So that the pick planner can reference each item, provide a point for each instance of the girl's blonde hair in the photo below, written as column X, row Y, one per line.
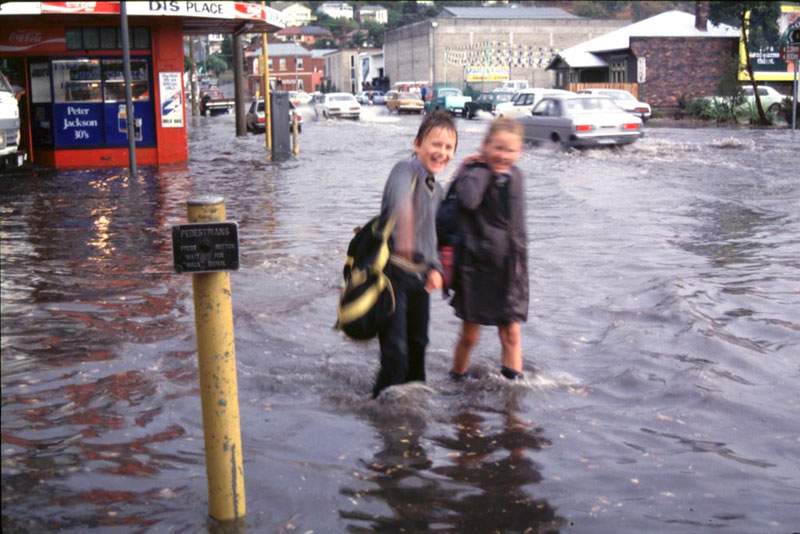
column 503, row 124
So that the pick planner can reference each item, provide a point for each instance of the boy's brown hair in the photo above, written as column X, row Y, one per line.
column 503, row 124
column 436, row 119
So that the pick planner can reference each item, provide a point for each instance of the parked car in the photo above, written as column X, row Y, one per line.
column 340, row 105
column 362, row 97
column 10, row 154
column 404, row 102
column 299, row 97
column 522, row 103
column 512, row 86
column 378, row 97
column 212, row 101
column 255, row 117
column 623, row 99
column 580, row 120
column 486, row 102
column 446, row 99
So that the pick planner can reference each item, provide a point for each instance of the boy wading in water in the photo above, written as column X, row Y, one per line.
column 413, row 195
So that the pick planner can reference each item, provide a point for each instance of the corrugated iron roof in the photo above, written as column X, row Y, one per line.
column 667, row 24
column 506, row 13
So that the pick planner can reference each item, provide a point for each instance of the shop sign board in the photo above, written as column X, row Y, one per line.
column 485, row 73
column 205, row 247
column 171, row 99
column 78, row 124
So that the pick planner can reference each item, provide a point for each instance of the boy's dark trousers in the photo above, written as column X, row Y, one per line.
column 405, row 336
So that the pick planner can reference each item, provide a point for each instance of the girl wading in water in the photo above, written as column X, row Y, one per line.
column 492, row 269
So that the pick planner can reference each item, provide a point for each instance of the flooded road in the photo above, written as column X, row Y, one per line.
column 661, row 353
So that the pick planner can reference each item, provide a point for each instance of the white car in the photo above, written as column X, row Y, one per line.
column 299, row 97
column 340, row 105
column 256, row 122
column 522, row 103
column 623, row 99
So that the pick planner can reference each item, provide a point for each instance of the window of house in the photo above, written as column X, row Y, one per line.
column 269, row 63
column 299, row 63
column 618, row 70
column 300, row 85
column 282, row 64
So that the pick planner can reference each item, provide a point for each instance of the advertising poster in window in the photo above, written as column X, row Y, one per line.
column 767, row 62
column 484, row 73
column 171, row 99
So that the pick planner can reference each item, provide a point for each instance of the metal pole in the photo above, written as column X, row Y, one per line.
column 130, row 118
column 434, row 24
column 295, row 136
column 794, row 97
column 216, row 356
column 267, row 92
column 193, row 76
column 238, row 85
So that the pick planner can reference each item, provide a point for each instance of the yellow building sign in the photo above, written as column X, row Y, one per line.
column 484, row 73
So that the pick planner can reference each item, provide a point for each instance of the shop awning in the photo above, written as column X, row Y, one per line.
column 197, row 17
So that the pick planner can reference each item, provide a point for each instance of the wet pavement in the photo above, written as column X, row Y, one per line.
column 660, row 354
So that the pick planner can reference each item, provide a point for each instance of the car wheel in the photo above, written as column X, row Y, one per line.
column 325, row 114
column 554, row 137
column 773, row 109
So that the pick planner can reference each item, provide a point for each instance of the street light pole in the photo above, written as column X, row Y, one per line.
column 434, row 25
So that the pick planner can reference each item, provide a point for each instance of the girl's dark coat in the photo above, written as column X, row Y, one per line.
column 492, row 274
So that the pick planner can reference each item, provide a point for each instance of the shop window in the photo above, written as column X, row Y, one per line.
column 108, row 38
column 77, row 80
column 74, row 38
column 40, row 83
column 91, row 38
column 140, row 37
column 113, row 79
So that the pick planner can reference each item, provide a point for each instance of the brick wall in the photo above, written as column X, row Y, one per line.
column 677, row 65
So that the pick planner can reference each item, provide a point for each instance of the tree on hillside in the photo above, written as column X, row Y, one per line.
column 758, row 29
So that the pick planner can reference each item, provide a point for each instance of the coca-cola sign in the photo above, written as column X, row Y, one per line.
column 25, row 37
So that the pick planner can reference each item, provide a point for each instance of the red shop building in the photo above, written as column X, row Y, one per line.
column 67, row 56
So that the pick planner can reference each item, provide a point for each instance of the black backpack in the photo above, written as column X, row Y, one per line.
column 367, row 298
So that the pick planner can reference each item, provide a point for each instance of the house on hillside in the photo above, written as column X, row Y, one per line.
column 486, row 46
column 304, row 35
column 377, row 14
column 336, row 10
column 294, row 13
column 657, row 59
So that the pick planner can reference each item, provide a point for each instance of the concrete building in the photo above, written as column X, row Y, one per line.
column 336, row 10
column 486, row 46
column 658, row 59
column 343, row 69
column 377, row 14
column 295, row 14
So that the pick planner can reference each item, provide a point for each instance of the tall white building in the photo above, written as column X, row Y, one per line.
column 370, row 12
column 295, row 14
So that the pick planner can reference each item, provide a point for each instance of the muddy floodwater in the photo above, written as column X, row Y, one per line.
column 662, row 351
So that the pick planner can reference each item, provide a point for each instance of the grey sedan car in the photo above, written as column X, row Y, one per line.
column 580, row 120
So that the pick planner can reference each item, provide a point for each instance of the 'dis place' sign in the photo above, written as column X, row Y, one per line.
column 205, row 247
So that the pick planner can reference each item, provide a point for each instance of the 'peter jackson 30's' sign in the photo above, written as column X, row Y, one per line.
column 78, row 124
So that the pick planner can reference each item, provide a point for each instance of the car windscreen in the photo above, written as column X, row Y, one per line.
column 408, row 95
column 341, row 98
column 504, row 97
column 618, row 95
column 583, row 105
column 449, row 93
column 485, row 97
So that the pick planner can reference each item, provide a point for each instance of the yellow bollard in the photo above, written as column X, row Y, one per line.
column 295, row 136
column 217, row 365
